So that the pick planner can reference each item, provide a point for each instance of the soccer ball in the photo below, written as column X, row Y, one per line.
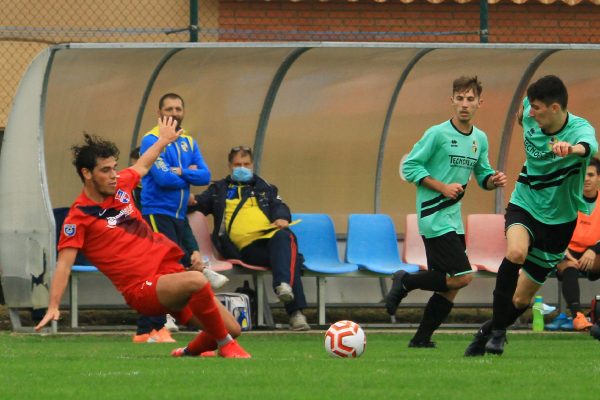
column 345, row 339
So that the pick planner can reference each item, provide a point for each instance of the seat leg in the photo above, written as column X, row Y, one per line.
column 321, row 289
column 268, row 315
column 383, row 287
column 559, row 294
column 73, row 299
column 15, row 319
column 261, row 303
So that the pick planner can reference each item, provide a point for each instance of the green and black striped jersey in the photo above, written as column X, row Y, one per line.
column 550, row 187
column 449, row 156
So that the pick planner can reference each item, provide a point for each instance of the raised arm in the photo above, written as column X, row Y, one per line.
column 66, row 258
column 167, row 134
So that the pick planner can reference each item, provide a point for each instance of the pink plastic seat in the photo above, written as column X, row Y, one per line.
column 199, row 226
column 413, row 249
column 486, row 242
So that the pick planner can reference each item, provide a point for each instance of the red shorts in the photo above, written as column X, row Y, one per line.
column 144, row 299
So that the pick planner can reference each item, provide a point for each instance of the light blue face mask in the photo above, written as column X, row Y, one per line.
column 241, row 174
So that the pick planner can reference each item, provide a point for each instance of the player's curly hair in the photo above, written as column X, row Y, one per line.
column 86, row 155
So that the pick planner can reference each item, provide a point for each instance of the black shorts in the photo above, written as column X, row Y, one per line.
column 447, row 253
column 591, row 276
column 548, row 242
column 172, row 228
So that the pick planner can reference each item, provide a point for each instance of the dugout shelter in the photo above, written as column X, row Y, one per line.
column 329, row 124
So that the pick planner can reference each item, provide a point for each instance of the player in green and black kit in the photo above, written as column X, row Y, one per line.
column 440, row 164
column 542, row 212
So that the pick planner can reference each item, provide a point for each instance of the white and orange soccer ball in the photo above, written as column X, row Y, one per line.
column 345, row 339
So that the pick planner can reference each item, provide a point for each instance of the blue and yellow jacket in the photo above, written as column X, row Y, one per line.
column 164, row 191
column 213, row 201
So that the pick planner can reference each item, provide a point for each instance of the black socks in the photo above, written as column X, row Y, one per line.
column 434, row 281
column 506, row 283
column 570, row 289
column 435, row 313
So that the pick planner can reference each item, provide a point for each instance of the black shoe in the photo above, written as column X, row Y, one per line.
column 496, row 343
column 397, row 292
column 477, row 346
column 595, row 331
column 421, row 344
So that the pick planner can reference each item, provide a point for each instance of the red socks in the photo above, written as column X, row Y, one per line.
column 202, row 304
column 201, row 343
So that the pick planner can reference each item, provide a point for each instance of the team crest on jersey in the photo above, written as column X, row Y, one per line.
column 160, row 164
column 122, row 196
column 553, row 140
column 185, row 147
column 69, row 229
column 531, row 131
column 474, row 146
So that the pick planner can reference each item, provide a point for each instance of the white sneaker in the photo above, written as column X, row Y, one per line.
column 171, row 324
column 298, row 321
column 284, row 292
column 215, row 279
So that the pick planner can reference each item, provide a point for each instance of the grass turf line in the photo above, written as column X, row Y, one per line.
column 297, row 367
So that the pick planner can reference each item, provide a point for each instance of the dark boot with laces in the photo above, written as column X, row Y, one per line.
column 477, row 346
column 496, row 343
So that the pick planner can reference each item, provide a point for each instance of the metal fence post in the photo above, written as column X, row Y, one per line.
column 483, row 21
column 193, row 20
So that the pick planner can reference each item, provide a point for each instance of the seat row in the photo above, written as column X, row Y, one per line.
column 484, row 239
column 371, row 251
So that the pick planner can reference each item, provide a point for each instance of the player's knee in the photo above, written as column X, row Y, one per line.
column 196, row 281
column 516, row 256
column 521, row 301
column 458, row 282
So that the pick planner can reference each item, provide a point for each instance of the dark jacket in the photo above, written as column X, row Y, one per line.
column 212, row 201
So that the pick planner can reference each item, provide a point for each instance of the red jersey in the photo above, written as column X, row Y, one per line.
column 115, row 238
column 587, row 231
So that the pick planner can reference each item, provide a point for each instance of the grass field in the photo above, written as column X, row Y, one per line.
column 295, row 366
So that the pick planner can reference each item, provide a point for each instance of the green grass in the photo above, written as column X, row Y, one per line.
column 295, row 366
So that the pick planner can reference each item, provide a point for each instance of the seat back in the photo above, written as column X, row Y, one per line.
column 60, row 214
column 413, row 249
column 372, row 240
column 199, row 225
column 485, row 240
column 316, row 238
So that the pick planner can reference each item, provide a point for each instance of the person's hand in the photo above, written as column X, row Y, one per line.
column 167, row 129
column 452, row 190
column 586, row 261
column 52, row 314
column 193, row 166
column 196, row 263
column 498, row 179
column 280, row 223
column 176, row 171
column 569, row 256
column 192, row 200
column 562, row 149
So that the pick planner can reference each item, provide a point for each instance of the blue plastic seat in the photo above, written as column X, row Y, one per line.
column 373, row 245
column 82, row 265
column 318, row 244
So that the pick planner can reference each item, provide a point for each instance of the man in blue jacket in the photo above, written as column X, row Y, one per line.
column 251, row 223
column 165, row 194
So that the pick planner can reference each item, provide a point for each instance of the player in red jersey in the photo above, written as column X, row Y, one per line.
column 143, row 265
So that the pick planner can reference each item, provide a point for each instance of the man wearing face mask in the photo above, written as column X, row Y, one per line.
column 251, row 223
